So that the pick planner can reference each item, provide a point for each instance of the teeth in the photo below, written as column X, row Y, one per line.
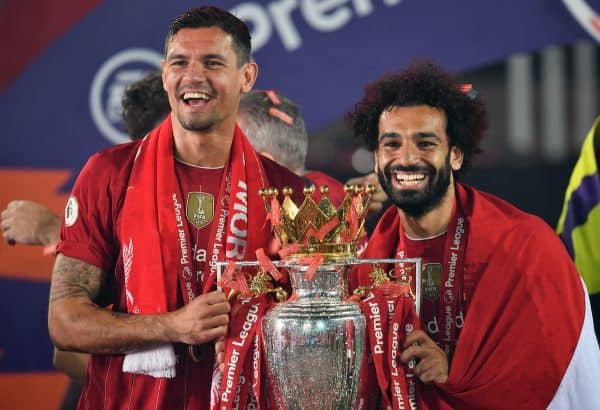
column 409, row 179
column 196, row 96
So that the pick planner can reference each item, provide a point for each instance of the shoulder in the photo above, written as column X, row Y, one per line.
column 103, row 178
column 112, row 161
column 508, row 243
column 504, row 225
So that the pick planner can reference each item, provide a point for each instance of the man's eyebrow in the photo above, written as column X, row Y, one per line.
column 389, row 134
column 214, row 55
column 175, row 56
column 421, row 135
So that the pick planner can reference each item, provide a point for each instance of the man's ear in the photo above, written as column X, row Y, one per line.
column 456, row 158
column 249, row 72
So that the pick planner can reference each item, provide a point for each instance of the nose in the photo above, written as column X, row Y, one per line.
column 407, row 154
column 195, row 71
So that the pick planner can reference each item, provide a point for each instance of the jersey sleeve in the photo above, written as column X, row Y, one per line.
column 87, row 230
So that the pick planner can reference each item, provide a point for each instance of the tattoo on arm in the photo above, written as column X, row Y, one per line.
column 76, row 279
column 76, row 323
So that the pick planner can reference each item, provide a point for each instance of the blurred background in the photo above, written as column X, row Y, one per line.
column 66, row 63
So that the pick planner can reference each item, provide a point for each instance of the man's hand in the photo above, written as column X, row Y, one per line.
column 204, row 319
column 29, row 223
column 433, row 363
column 379, row 196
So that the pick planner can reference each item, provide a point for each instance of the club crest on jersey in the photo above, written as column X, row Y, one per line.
column 200, row 208
column 431, row 281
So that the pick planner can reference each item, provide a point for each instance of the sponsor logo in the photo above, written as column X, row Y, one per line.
column 110, row 82
column 71, row 211
column 200, row 209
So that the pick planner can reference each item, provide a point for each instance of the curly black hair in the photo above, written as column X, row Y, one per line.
column 423, row 83
column 145, row 104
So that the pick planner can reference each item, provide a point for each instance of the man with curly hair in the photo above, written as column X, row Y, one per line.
column 505, row 321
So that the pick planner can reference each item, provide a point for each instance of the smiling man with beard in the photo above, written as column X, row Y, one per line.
column 505, row 319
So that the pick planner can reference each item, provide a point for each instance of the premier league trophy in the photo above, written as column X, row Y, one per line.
column 315, row 342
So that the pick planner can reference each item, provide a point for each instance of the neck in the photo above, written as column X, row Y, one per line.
column 433, row 222
column 208, row 148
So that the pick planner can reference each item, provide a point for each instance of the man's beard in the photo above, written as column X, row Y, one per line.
column 416, row 203
column 195, row 124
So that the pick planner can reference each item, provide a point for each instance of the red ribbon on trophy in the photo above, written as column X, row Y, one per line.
column 240, row 348
column 389, row 320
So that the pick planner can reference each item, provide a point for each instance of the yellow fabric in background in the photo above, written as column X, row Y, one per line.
column 579, row 222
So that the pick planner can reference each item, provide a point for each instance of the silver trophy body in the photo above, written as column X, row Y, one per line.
column 314, row 343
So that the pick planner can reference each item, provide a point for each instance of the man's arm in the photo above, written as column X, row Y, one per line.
column 76, row 323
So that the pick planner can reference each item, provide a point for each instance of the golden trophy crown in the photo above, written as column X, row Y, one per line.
column 318, row 228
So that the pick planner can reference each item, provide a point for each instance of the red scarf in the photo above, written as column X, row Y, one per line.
column 525, row 308
column 156, row 237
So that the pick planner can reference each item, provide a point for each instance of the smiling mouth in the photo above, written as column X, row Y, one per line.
column 195, row 98
column 409, row 178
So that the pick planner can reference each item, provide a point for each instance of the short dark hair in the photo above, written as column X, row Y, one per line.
column 209, row 16
column 423, row 83
column 145, row 103
column 281, row 133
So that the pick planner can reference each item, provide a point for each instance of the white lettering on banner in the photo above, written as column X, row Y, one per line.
column 255, row 361
column 180, row 231
column 432, row 326
column 375, row 315
column 235, row 355
column 190, row 291
column 397, row 389
column 251, row 318
column 200, row 254
column 214, row 258
column 412, row 394
column 238, row 224
column 412, row 385
column 241, row 382
column 460, row 320
column 455, row 247
column 448, row 323
column 320, row 15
